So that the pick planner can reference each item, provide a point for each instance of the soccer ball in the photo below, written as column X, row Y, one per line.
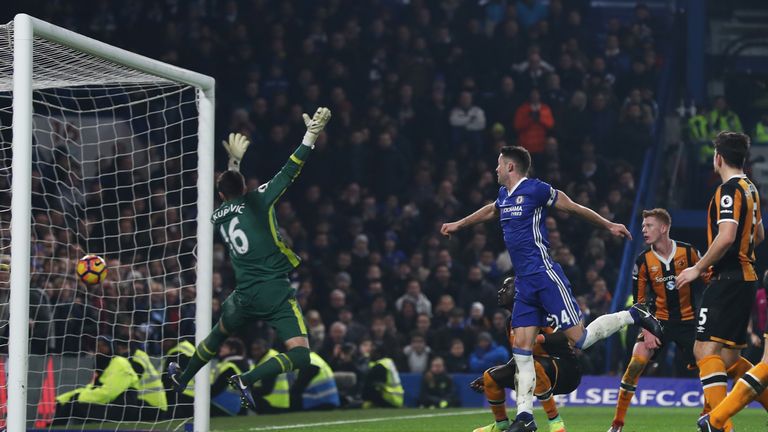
column 91, row 269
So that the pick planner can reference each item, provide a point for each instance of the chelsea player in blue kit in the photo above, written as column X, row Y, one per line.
column 542, row 288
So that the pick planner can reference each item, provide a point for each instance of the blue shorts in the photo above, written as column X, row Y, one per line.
column 545, row 296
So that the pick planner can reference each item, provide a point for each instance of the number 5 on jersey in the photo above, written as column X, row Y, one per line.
column 236, row 240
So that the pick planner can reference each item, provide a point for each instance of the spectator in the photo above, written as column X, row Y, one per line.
column 723, row 118
column 108, row 397
column 437, row 389
column 316, row 330
column 355, row 330
column 759, row 316
column 617, row 62
column 381, row 386
column 555, row 97
column 406, row 318
column 392, row 256
column 417, row 353
column 602, row 121
column 337, row 336
column 477, row 320
column 468, row 123
column 456, row 359
column 576, row 121
column 487, row 354
column 533, row 120
column 505, row 100
column 499, row 330
column 530, row 12
column 477, row 291
column 414, row 295
column 337, row 302
column 760, row 135
column 634, row 134
column 531, row 72
column 599, row 301
column 232, row 360
column 383, row 340
column 387, row 167
column 454, row 329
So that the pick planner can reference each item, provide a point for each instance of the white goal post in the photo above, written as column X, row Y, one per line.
column 26, row 77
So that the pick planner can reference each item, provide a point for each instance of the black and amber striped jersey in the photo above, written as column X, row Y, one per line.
column 736, row 201
column 654, row 282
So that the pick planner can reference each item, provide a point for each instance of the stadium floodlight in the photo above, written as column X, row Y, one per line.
column 111, row 154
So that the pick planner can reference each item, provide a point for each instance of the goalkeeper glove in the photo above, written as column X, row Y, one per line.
column 236, row 147
column 315, row 125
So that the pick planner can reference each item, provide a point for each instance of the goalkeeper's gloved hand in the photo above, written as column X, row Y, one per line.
column 236, row 147
column 315, row 125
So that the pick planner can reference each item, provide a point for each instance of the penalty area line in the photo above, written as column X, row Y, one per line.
column 370, row 420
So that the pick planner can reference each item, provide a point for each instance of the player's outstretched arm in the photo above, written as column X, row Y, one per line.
column 276, row 187
column 484, row 214
column 566, row 204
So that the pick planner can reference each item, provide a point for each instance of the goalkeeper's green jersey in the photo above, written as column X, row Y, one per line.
column 249, row 228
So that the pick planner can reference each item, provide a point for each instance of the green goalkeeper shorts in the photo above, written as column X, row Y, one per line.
column 272, row 301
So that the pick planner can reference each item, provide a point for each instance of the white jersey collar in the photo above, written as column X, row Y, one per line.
column 510, row 191
column 668, row 260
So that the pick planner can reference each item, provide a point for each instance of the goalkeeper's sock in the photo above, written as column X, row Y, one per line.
column 295, row 359
column 746, row 389
column 204, row 353
column 604, row 326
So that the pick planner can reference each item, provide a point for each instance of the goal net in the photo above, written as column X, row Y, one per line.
column 115, row 167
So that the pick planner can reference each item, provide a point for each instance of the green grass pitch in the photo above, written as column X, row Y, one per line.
column 577, row 419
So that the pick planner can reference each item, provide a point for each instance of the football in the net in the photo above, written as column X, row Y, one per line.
column 91, row 269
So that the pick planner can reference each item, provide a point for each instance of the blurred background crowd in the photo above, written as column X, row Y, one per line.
column 423, row 94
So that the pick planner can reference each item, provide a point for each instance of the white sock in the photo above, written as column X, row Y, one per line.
column 604, row 326
column 526, row 380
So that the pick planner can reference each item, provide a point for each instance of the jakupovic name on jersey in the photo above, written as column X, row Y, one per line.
column 232, row 208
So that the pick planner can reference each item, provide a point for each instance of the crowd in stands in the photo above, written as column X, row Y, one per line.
column 423, row 95
column 702, row 123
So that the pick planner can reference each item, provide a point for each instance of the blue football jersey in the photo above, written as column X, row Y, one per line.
column 522, row 213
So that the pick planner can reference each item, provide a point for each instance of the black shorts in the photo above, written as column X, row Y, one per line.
column 725, row 311
column 683, row 334
column 564, row 374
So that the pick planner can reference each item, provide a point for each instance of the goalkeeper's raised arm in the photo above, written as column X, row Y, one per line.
column 273, row 189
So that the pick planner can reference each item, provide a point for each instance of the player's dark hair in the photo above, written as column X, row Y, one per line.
column 660, row 214
column 733, row 147
column 519, row 156
column 231, row 184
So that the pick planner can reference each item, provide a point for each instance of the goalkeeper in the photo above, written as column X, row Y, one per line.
column 261, row 262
